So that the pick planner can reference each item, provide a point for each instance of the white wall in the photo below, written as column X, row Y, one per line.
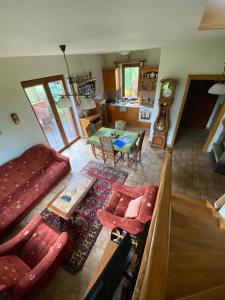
column 178, row 61
column 152, row 57
column 14, row 139
column 216, row 135
column 219, row 101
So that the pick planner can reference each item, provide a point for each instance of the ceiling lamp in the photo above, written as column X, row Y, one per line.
column 218, row 88
column 124, row 53
column 87, row 103
column 71, row 80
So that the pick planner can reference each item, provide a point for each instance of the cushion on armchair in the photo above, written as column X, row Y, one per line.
column 133, row 208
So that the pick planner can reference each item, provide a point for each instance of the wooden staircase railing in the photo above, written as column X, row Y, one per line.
column 152, row 278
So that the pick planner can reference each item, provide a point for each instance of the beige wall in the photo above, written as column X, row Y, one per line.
column 14, row 139
column 179, row 60
column 152, row 57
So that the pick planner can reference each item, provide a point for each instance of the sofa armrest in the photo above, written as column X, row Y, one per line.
column 110, row 220
column 132, row 192
column 21, row 237
column 25, row 284
column 220, row 202
column 58, row 156
column 147, row 204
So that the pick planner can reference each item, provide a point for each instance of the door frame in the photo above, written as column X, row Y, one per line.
column 219, row 116
column 44, row 81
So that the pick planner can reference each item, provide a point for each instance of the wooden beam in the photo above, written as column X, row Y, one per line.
column 152, row 277
column 213, row 16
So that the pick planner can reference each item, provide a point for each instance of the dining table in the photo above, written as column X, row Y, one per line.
column 130, row 137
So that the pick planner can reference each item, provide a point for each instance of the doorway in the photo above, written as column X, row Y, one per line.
column 199, row 110
column 54, row 113
column 199, row 105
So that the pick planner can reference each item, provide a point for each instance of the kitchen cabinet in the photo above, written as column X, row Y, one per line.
column 129, row 115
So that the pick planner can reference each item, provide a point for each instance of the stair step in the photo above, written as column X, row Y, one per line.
column 215, row 238
column 190, row 273
column 190, row 208
column 183, row 220
column 215, row 293
column 186, row 198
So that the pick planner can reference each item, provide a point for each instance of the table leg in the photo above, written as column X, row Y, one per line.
column 127, row 159
column 93, row 150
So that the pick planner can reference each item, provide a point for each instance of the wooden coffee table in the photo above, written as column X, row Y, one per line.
column 77, row 189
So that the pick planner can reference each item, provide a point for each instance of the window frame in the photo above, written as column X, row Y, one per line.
column 125, row 65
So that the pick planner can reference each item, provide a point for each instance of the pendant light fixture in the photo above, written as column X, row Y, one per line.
column 89, row 101
column 218, row 88
column 66, row 96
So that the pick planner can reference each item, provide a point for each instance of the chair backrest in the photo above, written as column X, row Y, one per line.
column 106, row 144
column 140, row 141
column 38, row 245
column 90, row 129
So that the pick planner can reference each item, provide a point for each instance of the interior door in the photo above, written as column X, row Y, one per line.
column 54, row 113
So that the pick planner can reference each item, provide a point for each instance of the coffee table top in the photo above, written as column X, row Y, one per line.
column 67, row 200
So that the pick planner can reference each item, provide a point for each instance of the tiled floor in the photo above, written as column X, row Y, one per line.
column 192, row 174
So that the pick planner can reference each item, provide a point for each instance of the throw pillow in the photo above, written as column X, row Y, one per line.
column 133, row 208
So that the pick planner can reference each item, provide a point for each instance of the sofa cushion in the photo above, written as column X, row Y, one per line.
column 12, row 269
column 133, row 208
column 15, row 173
column 18, row 203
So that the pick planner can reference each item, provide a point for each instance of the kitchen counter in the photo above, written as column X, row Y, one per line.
column 128, row 112
column 136, row 105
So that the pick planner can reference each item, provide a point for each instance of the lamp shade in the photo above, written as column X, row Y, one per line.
column 87, row 103
column 217, row 89
column 64, row 101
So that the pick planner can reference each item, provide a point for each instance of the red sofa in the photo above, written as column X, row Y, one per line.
column 25, row 180
column 113, row 214
column 29, row 259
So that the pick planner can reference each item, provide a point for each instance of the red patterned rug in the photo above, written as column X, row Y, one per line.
column 83, row 226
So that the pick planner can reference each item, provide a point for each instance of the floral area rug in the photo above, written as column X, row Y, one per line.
column 83, row 226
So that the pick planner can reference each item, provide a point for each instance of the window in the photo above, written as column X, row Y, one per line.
column 130, row 80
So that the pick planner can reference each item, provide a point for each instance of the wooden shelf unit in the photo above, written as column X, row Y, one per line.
column 146, row 82
column 85, row 87
column 95, row 119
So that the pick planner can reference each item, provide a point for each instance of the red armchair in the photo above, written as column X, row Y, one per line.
column 30, row 258
column 113, row 214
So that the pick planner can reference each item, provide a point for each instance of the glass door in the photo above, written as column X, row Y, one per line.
column 54, row 113
column 64, row 109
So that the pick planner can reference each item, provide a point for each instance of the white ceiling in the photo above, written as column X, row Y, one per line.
column 37, row 27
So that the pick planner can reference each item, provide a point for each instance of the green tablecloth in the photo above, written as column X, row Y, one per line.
column 133, row 136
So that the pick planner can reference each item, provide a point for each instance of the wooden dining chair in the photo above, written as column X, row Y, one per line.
column 108, row 150
column 138, row 147
column 90, row 129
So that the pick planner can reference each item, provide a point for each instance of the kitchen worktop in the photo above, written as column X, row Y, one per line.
column 128, row 104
